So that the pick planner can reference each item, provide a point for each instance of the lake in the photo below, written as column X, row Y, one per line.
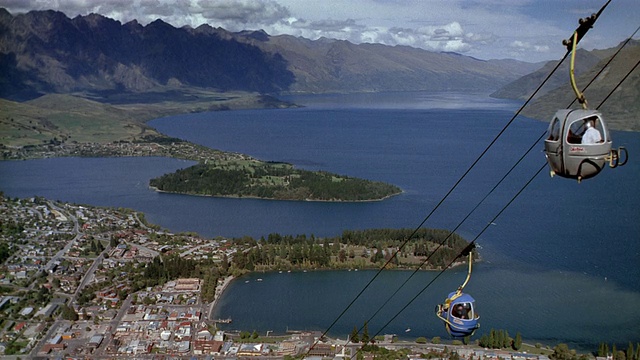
column 559, row 249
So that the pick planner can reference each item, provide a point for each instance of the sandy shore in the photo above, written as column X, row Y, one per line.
column 219, row 291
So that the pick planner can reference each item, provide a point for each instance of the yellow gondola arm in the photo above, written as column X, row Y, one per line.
column 468, row 275
column 458, row 293
column 579, row 94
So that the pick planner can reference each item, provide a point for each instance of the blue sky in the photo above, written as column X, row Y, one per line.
column 528, row 30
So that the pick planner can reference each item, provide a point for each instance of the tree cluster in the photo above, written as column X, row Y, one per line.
column 95, row 247
column 629, row 354
column 209, row 283
column 500, row 339
column 355, row 336
column 245, row 335
column 68, row 313
column 170, row 267
column 378, row 246
column 11, row 228
column 6, row 251
column 271, row 181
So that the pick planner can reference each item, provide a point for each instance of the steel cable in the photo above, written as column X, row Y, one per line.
column 452, row 189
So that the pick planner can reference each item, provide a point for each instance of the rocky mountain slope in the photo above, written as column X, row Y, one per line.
column 328, row 65
column 617, row 99
column 94, row 56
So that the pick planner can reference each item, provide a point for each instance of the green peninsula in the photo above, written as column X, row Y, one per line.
column 270, row 180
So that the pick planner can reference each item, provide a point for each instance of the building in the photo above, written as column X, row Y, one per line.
column 322, row 350
column 95, row 341
column 250, row 350
column 207, row 347
column 187, row 285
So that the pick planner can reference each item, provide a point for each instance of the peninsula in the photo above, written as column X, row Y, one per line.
column 65, row 125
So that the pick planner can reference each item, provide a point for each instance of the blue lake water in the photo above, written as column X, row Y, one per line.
column 560, row 249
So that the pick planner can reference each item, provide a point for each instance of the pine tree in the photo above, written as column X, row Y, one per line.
column 484, row 341
column 354, row 335
column 492, row 339
column 499, row 339
column 517, row 342
column 601, row 352
column 365, row 333
column 68, row 313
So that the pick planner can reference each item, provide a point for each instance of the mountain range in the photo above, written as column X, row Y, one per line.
column 95, row 57
column 47, row 52
column 610, row 77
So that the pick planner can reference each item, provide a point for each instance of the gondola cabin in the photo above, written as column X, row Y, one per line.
column 578, row 144
column 459, row 315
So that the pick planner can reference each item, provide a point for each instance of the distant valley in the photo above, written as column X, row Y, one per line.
column 134, row 73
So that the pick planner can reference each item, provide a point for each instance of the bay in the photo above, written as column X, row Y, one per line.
column 558, row 246
column 545, row 306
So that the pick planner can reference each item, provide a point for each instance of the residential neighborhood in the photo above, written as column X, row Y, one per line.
column 68, row 291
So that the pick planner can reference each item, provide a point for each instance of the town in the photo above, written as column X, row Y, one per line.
column 68, row 290
column 149, row 145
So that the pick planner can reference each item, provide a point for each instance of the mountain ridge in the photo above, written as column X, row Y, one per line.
column 620, row 110
column 47, row 52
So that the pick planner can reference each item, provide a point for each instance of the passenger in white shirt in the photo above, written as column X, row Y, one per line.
column 591, row 135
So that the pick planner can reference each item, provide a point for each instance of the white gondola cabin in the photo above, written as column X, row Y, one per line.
column 578, row 144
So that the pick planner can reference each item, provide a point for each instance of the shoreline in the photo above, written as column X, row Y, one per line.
column 273, row 199
column 218, row 294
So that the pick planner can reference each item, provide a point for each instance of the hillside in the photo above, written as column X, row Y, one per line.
column 621, row 109
column 523, row 87
column 94, row 56
column 337, row 66
column 47, row 52
column 57, row 118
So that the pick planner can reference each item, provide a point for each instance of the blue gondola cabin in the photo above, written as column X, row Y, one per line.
column 459, row 315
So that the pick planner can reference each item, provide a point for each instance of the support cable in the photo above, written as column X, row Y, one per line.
column 505, row 176
column 491, row 191
column 577, row 39
column 472, row 242
column 607, row 64
column 620, row 83
column 443, row 199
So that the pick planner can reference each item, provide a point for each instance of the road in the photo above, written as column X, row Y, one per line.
column 85, row 279
column 76, row 231
column 113, row 324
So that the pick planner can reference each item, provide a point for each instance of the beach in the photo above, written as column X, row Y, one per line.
column 219, row 291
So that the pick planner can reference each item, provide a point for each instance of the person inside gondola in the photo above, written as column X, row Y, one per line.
column 460, row 312
column 591, row 135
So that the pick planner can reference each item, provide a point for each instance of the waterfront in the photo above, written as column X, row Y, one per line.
column 537, row 303
column 561, row 245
